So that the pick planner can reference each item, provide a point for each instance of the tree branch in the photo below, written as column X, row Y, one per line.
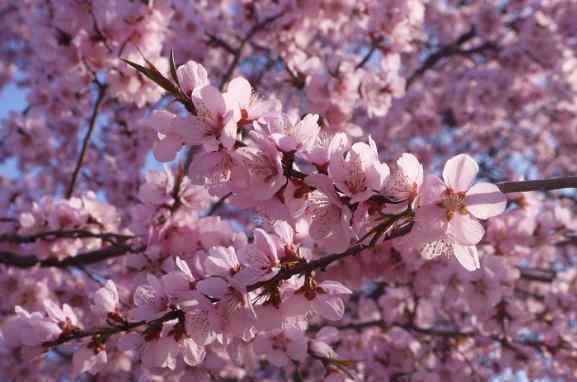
column 97, row 105
column 238, row 52
column 218, row 204
column 110, row 330
column 441, row 53
column 63, row 234
column 538, row 185
column 29, row 261
column 323, row 262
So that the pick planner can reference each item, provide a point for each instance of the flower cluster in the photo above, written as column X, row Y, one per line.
column 287, row 190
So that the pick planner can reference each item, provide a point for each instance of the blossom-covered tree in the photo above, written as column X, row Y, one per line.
column 284, row 190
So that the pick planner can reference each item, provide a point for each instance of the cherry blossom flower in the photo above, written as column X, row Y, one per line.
column 406, row 180
column 150, row 300
column 290, row 136
column 261, row 256
column 329, row 216
column 106, row 299
column 251, row 108
column 323, row 299
column 89, row 360
column 462, row 203
column 215, row 124
column 263, row 169
column 357, row 171
column 192, row 77
column 282, row 346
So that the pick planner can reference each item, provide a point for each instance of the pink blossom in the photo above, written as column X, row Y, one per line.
column 106, row 299
column 462, row 203
column 282, row 346
column 323, row 299
column 89, row 360
column 406, row 180
column 292, row 136
column 192, row 77
column 215, row 124
column 357, row 171
column 150, row 300
column 30, row 329
column 251, row 108
column 329, row 216
column 171, row 132
column 263, row 169
column 261, row 256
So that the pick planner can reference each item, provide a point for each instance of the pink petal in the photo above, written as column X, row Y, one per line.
column 328, row 334
column 307, row 130
column 295, row 305
column 297, row 347
column 213, row 287
column 460, row 172
column 465, row 230
column 165, row 150
column 240, row 90
column 265, row 244
column 485, row 200
column 432, row 189
column 213, row 100
column 334, row 287
column 160, row 353
column 191, row 77
column 411, row 167
column 285, row 231
column 467, row 256
column 54, row 311
column 278, row 358
column 193, row 354
column 83, row 360
column 329, row 307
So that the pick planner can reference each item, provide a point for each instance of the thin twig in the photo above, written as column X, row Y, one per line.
column 218, row 204
column 367, row 57
column 62, row 234
column 441, row 53
column 538, row 185
column 238, row 52
column 99, row 99
column 110, row 330
column 28, row 261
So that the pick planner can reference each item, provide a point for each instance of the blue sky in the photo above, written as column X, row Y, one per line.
column 11, row 99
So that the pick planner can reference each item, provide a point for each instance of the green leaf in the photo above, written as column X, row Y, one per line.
column 154, row 75
column 173, row 69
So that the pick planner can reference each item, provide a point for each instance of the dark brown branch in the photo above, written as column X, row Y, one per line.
column 537, row 274
column 408, row 327
column 538, row 185
column 97, row 105
column 323, row 262
column 238, row 52
column 218, row 204
column 110, row 330
column 180, row 175
column 29, row 261
column 441, row 53
column 367, row 56
column 6, row 11
column 63, row 234
column 217, row 41
column 310, row 266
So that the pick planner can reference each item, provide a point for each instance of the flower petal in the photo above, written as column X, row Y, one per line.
column 460, row 172
column 239, row 88
column 485, row 200
column 465, row 230
column 467, row 256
